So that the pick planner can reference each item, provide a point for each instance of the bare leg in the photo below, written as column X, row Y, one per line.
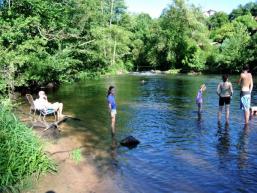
column 60, row 109
column 247, row 114
column 113, row 125
column 219, row 113
column 227, row 113
column 199, row 107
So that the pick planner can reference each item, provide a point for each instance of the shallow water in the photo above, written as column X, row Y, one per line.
column 179, row 150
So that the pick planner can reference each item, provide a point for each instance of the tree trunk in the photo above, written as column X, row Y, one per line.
column 102, row 7
column 10, row 80
column 9, row 4
column 103, row 23
column 112, row 4
column 114, row 51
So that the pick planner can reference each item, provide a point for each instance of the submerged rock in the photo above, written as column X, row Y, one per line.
column 129, row 142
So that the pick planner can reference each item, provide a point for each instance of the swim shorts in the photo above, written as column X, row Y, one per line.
column 245, row 100
column 224, row 100
column 113, row 112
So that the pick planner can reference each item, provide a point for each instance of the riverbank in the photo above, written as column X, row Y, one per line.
column 21, row 152
column 80, row 176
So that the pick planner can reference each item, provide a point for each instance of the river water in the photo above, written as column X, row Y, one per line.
column 180, row 151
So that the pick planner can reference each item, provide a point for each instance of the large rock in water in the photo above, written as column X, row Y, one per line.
column 129, row 142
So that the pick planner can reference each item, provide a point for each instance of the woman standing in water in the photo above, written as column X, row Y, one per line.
column 224, row 91
column 112, row 107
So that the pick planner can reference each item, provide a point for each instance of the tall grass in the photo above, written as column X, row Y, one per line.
column 21, row 152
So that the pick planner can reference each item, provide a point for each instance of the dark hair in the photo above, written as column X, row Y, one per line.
column 109, row 90
column 246, row 67
column 224, row 77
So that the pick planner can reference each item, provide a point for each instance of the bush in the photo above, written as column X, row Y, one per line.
column 21, row 151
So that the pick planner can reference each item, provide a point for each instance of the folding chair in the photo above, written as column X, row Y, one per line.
column 42, row 112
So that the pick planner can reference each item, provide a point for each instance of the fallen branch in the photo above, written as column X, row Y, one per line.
column 55, row 124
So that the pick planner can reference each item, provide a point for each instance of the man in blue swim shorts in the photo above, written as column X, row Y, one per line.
column 246, row 83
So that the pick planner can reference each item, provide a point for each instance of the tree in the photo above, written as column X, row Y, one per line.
column 233, row 49
column 248, row 20
column 112, row 45
column 183, row 37
column 217, row 20
column 249, row 8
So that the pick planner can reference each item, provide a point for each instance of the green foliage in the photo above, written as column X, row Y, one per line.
column 217, row 20
column 248, row 20
column 76, row 155
column 251, row 52
column 44, row 41
column 182, row 40
column 220, row 34
column 249, row 8
column 21, row 152
column 233, row 54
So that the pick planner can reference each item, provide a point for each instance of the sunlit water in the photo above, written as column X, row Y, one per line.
column 179, row 151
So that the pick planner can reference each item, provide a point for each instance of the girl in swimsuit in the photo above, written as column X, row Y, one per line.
column 199, row 97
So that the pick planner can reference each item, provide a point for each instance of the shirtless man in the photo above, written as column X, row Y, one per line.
column 246, row 83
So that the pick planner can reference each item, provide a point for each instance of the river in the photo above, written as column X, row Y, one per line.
column 179, row 150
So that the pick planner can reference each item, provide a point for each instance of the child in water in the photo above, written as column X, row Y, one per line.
column 199, row 97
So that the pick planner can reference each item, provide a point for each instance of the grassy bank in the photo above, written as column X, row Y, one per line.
column 21, row 152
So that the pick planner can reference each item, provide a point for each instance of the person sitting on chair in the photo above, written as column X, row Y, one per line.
column 43, row 104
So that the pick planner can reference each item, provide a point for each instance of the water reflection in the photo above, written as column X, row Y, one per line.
column 242, row 147
column 223, row 145
column 199, row 119
column 113, row 153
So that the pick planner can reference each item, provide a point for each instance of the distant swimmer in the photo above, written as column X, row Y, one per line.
column 142, row 81
column 225, row 92
column 199, row 98
column 246, row 83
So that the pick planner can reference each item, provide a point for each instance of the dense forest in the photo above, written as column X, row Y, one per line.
column 44, row 41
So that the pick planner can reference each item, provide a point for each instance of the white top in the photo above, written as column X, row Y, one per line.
column 40, row 103
column 225, row 89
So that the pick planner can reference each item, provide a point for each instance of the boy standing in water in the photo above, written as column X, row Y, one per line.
column 246, row 83
column 225, row 91
column 199, row 98
column 112, row 107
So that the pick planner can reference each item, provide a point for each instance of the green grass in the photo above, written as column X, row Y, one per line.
column 76, row 155
column 21, row 152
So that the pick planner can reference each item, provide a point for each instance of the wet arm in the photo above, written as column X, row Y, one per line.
column 251, row 84
column 231, row 89
column 218, row 90
column 109, row 106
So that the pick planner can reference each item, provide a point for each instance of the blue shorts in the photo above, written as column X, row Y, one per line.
column 245, row 100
